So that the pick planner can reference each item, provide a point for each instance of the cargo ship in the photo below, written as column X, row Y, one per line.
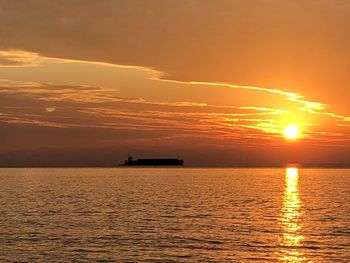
column 153, row 162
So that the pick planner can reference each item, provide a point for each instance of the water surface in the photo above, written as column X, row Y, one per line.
column 174, row 215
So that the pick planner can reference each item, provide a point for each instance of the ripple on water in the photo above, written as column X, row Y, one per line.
column 174, row 215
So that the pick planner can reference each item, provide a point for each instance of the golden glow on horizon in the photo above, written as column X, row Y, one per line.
column 291, row 132
column 290, row 219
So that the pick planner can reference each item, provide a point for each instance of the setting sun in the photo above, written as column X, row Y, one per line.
column 291, row 132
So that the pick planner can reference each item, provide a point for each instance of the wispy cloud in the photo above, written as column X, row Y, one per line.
column 98, row 107
column 85, row 107
column 19, row 58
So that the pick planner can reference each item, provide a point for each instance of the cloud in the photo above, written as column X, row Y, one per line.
column 97, row 108
column 294, row 46
column 85, row 107
column 252, row 110
column 16, row 58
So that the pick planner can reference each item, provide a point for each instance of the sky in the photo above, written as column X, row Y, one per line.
column 87, row 83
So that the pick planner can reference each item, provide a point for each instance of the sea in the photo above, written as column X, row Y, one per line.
column 174, row 215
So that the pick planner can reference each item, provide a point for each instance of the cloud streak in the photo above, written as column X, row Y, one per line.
column 93, row 107
column 17, row 58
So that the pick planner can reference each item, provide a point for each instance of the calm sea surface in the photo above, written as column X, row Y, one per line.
column 174, row 215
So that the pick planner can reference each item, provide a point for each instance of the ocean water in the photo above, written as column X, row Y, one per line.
column 174, row 215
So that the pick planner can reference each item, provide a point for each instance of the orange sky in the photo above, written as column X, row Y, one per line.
column 215, row 82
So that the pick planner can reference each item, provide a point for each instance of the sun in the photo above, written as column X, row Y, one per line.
column 291, row 132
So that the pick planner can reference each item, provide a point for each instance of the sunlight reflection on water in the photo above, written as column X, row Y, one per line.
column 291, row 219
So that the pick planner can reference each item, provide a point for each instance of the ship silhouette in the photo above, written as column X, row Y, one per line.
column 153, row 162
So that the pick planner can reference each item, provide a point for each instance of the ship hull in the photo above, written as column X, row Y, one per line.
column 154, row 162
